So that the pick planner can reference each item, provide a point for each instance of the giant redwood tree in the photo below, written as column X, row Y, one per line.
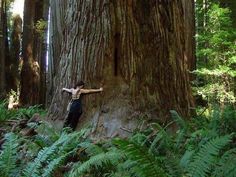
column 136, row 49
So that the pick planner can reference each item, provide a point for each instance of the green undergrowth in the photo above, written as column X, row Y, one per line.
column 20, row 113
column 201, row 147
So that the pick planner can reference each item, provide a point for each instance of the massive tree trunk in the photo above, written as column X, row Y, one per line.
column 3, row 38
column 136, row 49
column 30, row 78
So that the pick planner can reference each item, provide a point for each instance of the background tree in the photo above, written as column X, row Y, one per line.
column 216, row 53
column 30, row 70
column 34, row 55
column 2, row 46
column 15, row 48
column 135, row 48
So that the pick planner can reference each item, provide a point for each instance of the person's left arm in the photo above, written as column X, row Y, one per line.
column 91, row 90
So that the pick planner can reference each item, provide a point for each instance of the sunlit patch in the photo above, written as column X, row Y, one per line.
column 17, row 7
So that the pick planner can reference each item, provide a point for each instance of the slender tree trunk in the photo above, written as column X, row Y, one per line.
column 43, row 63
column 40, row 45
column 15, row 53
column 30, row 77
column 189, row 31
column 136, row 49
column 2, row 48
column 33, row 76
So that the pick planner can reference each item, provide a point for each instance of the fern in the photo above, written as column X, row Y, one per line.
column 161, row 140
column 53, row 165
column 185, row 160
column 205, row 158
column 226, row 165
column 55, row 155
column 98, row 160
column 147, row 165
column 180, row 122
column 91, row 149
column 182, row 131
column 172, row 165
column 33, row 169
column 8, row 156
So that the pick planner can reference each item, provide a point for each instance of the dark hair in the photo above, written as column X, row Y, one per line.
column 80, row 83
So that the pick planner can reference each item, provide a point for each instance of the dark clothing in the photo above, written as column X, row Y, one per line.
column 74, row 113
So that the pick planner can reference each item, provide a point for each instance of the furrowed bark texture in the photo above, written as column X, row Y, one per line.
column 135, row 48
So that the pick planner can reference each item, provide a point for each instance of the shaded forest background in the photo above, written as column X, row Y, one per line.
column 168, row 72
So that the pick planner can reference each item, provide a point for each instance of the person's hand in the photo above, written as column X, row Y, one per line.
column 101, row 89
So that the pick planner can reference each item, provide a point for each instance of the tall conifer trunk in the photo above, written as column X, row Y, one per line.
column 33, row 78
column 30, row 70
column 3, row 38
column 136, row 49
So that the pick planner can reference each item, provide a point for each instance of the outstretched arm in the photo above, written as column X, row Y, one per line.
column 91, row 90
column 67, row 90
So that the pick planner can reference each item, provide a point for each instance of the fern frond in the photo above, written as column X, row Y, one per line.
column 8, row 156
column 146, row 164
column 91, row 149
column 53, row 165
column 179, row 120
column 33, row 169
column 68, row 147
column 185, row 160
column 162, row 139
column 205, row 158
column 226, row 165
column 172, row 165
column 112, row 157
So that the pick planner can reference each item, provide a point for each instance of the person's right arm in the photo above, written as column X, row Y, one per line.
column 67, row 90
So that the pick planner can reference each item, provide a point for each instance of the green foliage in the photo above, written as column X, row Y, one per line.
column 51, row 157
column 216, row 53
column 97, row 161
column 205, row 159
column 9, row 155
column 226, row 165
column 40, row 27
column 146, row 164
column 204, row 146
column 20, row 113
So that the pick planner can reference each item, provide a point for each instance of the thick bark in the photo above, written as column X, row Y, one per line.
column 2, row 47
column 30, row 78
column 136, row 48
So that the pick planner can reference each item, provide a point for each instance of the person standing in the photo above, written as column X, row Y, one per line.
column 75, row 109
